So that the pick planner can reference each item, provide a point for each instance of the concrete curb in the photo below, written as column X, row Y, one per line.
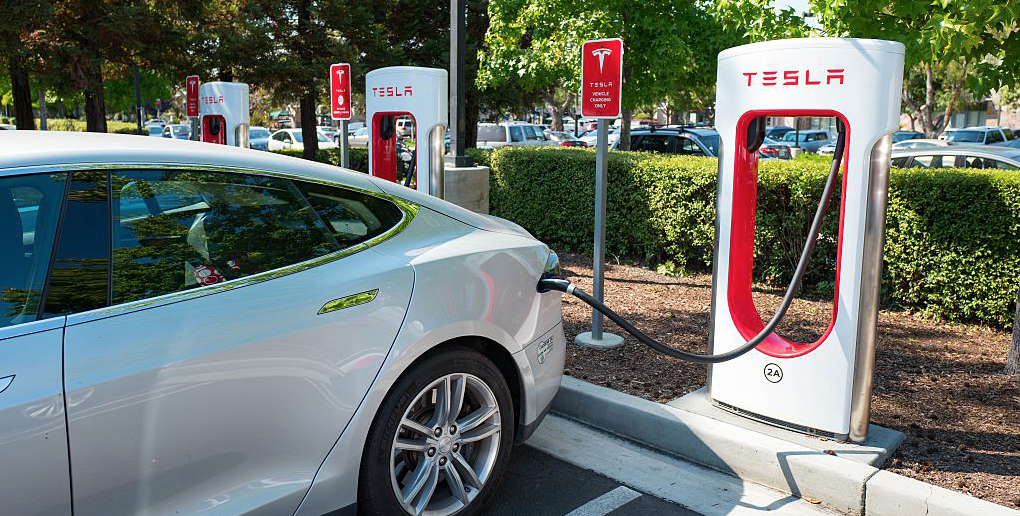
column 810, row 473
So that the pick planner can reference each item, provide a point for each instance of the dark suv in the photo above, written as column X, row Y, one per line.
column 673, row 140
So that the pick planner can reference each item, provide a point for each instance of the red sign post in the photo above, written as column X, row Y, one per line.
column 601, row 77
column 340, row 91
column 191, row 88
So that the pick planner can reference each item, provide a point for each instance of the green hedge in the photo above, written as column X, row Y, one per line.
column 952, row 241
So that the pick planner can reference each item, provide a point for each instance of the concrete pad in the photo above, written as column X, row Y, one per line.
column 748, row 454
column 608, row 340
column 697, row 488
column 889, row 494
column 881, row 443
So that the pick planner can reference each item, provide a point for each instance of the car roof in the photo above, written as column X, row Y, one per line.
column 66, row 149
column 956, row 150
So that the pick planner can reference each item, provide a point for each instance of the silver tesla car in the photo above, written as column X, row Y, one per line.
column 193, row 329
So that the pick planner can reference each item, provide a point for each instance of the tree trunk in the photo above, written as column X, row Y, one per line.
column 95, row 102
column 556, row 110
column 625, row 129
column 309, row 132
column 1013, row 357
column 24, row 119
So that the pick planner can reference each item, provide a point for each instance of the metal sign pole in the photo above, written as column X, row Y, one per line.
column 345, row 147
column 597, row 337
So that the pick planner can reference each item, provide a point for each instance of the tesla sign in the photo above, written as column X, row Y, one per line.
column 601, row 77
column 340, row 91
column 191, row 87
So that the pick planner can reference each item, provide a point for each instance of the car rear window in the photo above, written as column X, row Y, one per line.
column 966, row 136
column 491, row 133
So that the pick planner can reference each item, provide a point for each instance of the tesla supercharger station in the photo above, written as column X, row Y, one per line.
column 223, row 113
column 821, row 387
column 422, row 94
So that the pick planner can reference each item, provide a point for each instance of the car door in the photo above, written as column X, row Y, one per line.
column 246, row 320
column 33, row 440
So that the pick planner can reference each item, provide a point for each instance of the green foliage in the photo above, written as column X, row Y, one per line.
column 951, row 242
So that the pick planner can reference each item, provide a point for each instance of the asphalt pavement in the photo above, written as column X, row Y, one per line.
column 540, row 485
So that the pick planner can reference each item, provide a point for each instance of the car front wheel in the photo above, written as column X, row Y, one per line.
column 441, row 442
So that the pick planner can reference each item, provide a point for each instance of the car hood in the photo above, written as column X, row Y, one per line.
column 477, row 220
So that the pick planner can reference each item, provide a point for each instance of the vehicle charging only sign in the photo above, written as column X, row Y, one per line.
column 340, row 91
column 191, row 88
column 601, row 77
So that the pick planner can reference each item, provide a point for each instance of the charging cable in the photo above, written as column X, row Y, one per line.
column 551, row 282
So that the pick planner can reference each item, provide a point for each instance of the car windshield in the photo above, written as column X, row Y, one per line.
column 965, row 136
column 491, row 133
column 258, row 133
column 181, row 130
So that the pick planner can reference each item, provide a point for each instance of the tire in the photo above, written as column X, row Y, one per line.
column 415, row 450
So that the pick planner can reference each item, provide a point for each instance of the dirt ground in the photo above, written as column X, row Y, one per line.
column 939, row 383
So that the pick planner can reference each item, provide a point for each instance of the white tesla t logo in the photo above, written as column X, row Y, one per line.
column 601, row 53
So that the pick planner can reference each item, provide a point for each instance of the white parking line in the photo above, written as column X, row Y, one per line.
column 606, row 503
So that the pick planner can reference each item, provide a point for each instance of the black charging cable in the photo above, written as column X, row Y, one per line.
column 549, row 282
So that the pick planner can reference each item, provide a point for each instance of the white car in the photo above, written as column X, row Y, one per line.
column 591, row 136
column 292, row 139
column 494, row 136
column 190, row 328
column 919, row 143
column 358, row 138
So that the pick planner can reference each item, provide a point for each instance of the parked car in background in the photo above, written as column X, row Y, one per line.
column 494, row 136
column 808, row 139
column 155, row 121
column 921, row 143
column 329, row 131
column 8, row 127
column 900, row 136
column 977, row 135
column 959, row 156
column 258, row 138
column 177, row 131
column 612, row 137
column 154, row 130
column 293, row 139
column 405, row 126
column 772, row 149
column 668, row 140
column 566, row 139
column 1013, row 144
column 201, row 329
column 354, row 126
column 778, row 132
column 358, row 138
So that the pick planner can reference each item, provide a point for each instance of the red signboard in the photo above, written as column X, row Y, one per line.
column 601, row 77
column 340, row 91
column 191, row 87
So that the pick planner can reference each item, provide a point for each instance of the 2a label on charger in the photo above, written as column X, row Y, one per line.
column 773, row 373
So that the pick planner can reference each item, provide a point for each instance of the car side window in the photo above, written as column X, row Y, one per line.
column 994, row 137
column 689, row 147
column 1001, row 165
column 351, row 217
column 927, row 162
column 516, row 133
column 654, row 143
column 175, row 230
column 970, row 162
column 29, row 210
column 901, row 161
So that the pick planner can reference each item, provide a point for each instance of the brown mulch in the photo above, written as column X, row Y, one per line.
column 939, row 383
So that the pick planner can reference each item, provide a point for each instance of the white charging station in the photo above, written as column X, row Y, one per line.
column 402, row 91
column 224, row 113
column 821, row 387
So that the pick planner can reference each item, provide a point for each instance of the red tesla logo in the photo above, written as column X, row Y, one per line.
column 795, row 77
column 392, row 91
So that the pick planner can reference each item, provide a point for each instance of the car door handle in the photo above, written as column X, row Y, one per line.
column 5, row 382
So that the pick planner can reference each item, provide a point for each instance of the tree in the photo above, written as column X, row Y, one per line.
column 537, row 45
column 966, row 45
column 19, row 32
